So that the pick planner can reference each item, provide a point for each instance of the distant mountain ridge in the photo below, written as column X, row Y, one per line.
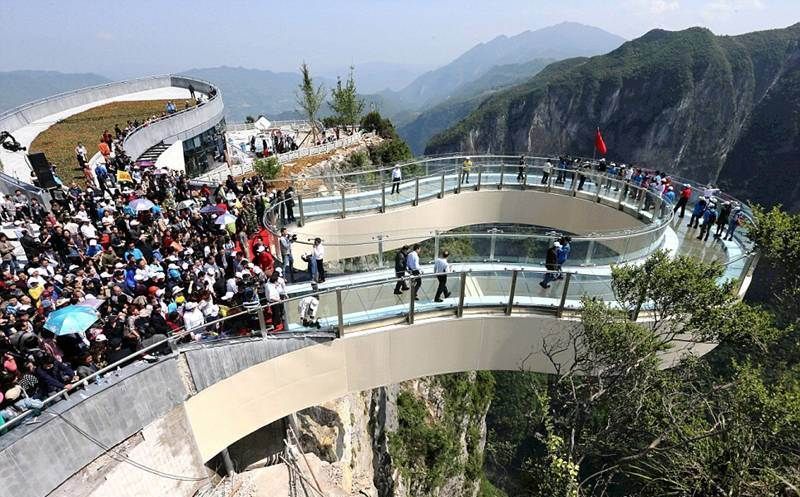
column 557, row 42
column 428, row 104
column 253, row 91
column 465, row 98
column 20, row 87
column 712, row 108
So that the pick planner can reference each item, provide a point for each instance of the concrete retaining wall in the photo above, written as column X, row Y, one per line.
column 210, row 364
column 38, row 457
column 144, row 400
column 164, row 445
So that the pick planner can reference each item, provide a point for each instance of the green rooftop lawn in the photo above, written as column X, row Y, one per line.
column 58, row 141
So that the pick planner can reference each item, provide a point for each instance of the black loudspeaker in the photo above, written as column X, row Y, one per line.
column 41, row 167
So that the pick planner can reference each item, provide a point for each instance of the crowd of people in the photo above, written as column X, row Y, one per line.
column 157, row 255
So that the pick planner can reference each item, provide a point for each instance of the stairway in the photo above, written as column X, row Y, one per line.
column 153, row 153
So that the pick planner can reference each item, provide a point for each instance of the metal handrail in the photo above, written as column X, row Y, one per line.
column 27, row 105
column 334, row 290
column 170, row 116
column 650, row 228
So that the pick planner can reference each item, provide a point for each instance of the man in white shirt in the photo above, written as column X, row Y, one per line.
column 440, row 267
column 412, row 264
column 88, row 230
column 546, row 170
column 710, row 191
column 193, row 319
column 317, row 255
column 397, row 175
column 81, row 154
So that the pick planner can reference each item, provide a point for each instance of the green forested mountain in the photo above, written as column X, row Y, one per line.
column 714, row 108
column 19, row 87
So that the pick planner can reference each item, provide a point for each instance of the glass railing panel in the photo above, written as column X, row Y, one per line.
column 487, row 288
column 608, row 250
column 530, row 292
column 372, row 302
column 360, row 264
column 467, row 247
column 595, row 286
column 405, row 196
column 325, row 315
column 519, row 249
column 636, row 246
column 428, row 297
column 632, row 196
column 369, row 200
column 322, row 206
column 326, row 310
column 736, row 268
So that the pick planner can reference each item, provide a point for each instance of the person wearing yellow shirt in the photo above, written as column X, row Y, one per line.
column 466, row 167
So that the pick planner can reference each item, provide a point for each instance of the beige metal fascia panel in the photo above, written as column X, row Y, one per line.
column 368, row 357
column 237, row 406
column 435, row 347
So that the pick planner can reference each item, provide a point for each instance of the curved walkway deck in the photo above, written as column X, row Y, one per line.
column 496, row 317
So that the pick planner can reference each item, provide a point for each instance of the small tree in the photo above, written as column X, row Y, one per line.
column 249, row 119
column 390, row 152
column 346, row 104
column 359, row 161
column 310, row 98
column 269, row 168
column 373, row 122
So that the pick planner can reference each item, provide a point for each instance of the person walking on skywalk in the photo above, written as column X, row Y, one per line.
column 440, row 268
column 412, row 264
column 521, row 169
column 397, row 176
column 551, row 264
column 400, row 270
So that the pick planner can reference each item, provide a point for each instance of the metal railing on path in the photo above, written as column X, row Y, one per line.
column 375, row 303
column 360, row 192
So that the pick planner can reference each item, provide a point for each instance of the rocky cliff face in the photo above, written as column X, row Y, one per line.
column 711, row 108
column 420, row 438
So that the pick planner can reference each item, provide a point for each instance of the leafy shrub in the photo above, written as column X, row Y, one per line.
column 390, row 152
column 269, row 168
column 358, row 161
column 425, row 452
column 374, row 123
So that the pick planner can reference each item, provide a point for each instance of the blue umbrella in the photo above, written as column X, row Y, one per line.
column 71, row 319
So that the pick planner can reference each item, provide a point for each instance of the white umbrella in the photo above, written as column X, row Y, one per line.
column 226, row 218
column 141, row 204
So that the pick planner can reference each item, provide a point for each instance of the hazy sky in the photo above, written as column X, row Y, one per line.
column 138, row 37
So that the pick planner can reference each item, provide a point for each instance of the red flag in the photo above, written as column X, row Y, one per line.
column 599, row 144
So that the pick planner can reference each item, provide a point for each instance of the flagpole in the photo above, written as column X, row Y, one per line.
column 594, row 147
